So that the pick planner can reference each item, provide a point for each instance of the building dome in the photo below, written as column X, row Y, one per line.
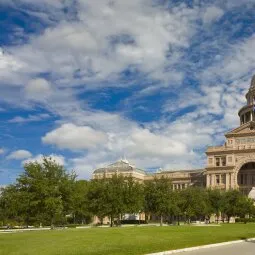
column 246, row 113
column 252, row 194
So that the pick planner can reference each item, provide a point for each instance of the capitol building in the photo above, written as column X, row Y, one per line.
column 229, row 166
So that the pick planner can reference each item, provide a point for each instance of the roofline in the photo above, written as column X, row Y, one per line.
column 184, row 170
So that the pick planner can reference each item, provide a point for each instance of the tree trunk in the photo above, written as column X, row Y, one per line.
column 161, row 220
column 51, row 224
column 111, row 221
column 178, row 218
column 119, row 220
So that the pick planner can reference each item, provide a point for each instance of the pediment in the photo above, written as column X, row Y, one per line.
column 246, row 129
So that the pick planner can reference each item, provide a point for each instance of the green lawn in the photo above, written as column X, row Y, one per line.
column 131, row 240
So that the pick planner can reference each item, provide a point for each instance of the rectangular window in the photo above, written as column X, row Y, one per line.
column 223, row 161
column 223, row 179
column 217, row 160
column 217, row 179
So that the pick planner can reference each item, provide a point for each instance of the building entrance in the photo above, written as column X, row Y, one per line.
column 246, row 177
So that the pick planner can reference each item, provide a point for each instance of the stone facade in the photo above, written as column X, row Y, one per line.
column 232, row 165
column 181, row 179
column 229, row 166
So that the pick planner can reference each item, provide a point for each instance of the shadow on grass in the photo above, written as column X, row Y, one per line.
column 247, row 239
column 250, row 241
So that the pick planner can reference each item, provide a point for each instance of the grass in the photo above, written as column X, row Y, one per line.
column 131, row 240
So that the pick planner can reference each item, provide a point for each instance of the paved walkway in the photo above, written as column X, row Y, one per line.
column 245, row 248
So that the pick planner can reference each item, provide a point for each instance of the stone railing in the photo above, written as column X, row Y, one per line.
column 226, row 148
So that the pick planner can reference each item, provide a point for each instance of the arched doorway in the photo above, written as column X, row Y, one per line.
column 246, row 177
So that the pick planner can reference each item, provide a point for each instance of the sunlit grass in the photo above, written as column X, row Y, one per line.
column 131, row 240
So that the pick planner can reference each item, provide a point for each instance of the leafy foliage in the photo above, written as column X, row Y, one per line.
column 45, row 193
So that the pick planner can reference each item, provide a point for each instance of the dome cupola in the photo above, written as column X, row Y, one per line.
column 246, row 113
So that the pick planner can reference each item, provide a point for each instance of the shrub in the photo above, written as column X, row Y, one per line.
column 245, row 220
column 133, row 222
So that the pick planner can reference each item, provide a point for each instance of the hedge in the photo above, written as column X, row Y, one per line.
column 245, row 220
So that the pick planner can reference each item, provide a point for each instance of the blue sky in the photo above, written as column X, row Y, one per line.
column 90, row 82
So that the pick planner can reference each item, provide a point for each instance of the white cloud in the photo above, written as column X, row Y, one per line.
column 30, row 118
column 38, row 88
column 237, row 64
column 144, row 143
column 2, row 151
column 19, row 154
column 79, row 55
column 212, row 14
column 149, row 39
column 9, row 64
column 59, row 159
column 157, row 145
column 70, row 136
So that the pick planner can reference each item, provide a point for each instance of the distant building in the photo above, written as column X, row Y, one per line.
column 229, row 166
column 181, row 179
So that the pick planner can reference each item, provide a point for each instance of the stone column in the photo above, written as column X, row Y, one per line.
column 227, row 181
column 213, row 180
column 208, row 181
column 232, row 183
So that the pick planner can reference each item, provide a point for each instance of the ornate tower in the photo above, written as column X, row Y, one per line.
column 246, row 113
column 232, row 165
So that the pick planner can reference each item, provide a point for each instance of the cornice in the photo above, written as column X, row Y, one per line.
column 219, row 168
column 230, row 151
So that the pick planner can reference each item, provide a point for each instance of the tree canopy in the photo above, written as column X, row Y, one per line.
column 46, row 193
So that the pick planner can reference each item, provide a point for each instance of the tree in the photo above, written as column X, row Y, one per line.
column 215, row 197
column 133, row 196
column 46, row 189
column 195, row 203
column 176, row 203
column 10, row 206
column 158, row 196
column 245, row 206
column 80, row 203
column 231, row 203
column 97, row 198
column 115, row 197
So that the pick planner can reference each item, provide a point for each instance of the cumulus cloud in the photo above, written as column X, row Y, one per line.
column 59, row 159
column 70, row 136
column 38, row 88
column 9, row 64
column 136, row 43
column 19, row 154
column 212, row 14
column 78, row 54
